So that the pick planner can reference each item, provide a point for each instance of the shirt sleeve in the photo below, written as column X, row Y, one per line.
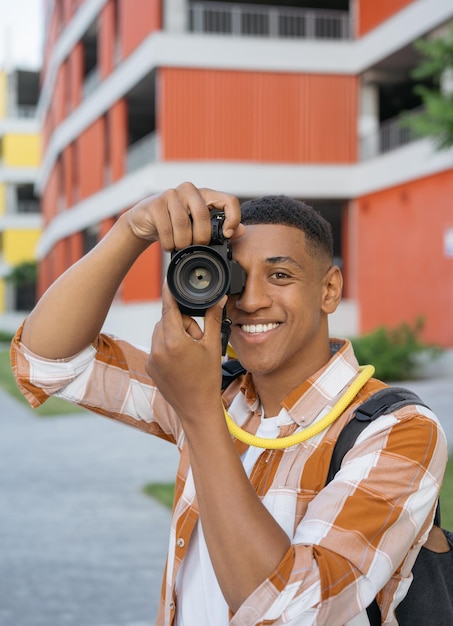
column 360, row 534
column 108, row 378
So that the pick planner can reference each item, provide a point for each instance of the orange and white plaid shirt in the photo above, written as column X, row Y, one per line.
column 353, row 539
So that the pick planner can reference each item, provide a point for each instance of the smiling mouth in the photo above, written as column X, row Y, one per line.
column 255, row 329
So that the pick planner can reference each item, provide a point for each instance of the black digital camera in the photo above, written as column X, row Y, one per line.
column 199, row 276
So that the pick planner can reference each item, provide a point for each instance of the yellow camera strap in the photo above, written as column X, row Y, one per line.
column 366, row 372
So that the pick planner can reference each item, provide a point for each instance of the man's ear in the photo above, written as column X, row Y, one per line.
column 332, row 289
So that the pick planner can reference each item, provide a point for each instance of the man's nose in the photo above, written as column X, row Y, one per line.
column 254, row 296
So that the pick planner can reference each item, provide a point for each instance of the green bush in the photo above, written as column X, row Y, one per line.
column 23, row 274
column 395, row 353
column 6, row 336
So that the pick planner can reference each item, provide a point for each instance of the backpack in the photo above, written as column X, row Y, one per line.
column 430, row 596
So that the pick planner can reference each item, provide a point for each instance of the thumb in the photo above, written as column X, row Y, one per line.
column 213, row 320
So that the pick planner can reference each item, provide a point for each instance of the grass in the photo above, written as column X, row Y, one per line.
column 53, row 406
column 163, row 493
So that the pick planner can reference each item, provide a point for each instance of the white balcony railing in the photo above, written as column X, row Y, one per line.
column 392, row 134
column 268, row 21
column 27, row 206
column 142, row 152
column 26, row 110
column 91, row 82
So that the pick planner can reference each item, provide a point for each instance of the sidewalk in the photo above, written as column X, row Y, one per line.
column 79, row 543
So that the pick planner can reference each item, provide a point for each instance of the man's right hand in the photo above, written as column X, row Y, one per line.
column 179, row 217
column 71, row 313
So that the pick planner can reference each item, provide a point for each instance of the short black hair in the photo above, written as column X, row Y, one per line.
column 281, row 209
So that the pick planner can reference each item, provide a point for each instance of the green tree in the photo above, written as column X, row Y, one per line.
column 436, row 66
column 23, row 275
column 23, row 278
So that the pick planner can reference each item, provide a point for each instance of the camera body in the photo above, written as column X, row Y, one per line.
column 199, row 276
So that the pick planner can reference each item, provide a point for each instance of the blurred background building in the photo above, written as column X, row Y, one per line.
column 297, row 97
column 20, row 219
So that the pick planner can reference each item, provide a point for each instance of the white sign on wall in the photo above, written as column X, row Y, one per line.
column 448, row 242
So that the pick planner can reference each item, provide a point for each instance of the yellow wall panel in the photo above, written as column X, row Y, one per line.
column 21, row 150
column 20, row 245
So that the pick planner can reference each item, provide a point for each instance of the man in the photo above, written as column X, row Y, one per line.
column 256, row 537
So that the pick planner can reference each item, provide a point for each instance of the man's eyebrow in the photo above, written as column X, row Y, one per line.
column 286, row 260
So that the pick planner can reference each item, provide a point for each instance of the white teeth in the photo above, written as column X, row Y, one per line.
column 258, row 328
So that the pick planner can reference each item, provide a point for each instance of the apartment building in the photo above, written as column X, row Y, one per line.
column 20, row 219
column 296, row 97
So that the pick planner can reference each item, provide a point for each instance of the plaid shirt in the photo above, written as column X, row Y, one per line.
column 350, row 540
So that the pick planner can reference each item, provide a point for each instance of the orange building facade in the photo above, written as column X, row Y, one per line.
column 249, row 98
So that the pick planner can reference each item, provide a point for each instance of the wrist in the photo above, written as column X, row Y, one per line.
column 205, row 426
column 124, row 228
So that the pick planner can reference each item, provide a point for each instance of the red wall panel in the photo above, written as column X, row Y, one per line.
column 75, row 244
column 67, row 159
column 106, row 39
column 138, row 18
column 144, row 280
column 90, row 155
column 75, row 72
column 117, row 129
column 45, row 275
column 258, row 116
column 58, row 100
column 59, row 258
column 372, row 13
column 49, row 198
column 403, row 270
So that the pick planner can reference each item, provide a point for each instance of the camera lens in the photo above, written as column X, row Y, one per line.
column 198, row 277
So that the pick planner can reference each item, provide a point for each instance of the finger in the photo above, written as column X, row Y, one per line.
column 230, row 205
column 170, row 307
column 172, row 315
column 179, row 217
column 213, row 322
column 192, row 328
column 198, row 210
column 162, row 217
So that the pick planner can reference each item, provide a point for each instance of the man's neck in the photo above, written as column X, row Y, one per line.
column 274, row 387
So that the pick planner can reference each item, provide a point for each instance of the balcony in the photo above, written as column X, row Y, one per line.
column 268, row 21
column 28, row 206
column 26, row 110
column 392, row 134
column 91, row 82
column 142, row 152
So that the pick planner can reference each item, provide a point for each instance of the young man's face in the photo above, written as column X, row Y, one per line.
column 279, row 321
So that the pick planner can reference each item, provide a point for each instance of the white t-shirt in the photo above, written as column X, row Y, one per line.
column 200, row 599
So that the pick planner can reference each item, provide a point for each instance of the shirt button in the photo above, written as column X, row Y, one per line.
column 172, row 606
column 180, row 542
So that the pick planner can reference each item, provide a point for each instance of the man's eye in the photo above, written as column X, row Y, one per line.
column 279, row 275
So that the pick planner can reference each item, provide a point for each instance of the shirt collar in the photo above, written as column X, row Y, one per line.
column 319, row 392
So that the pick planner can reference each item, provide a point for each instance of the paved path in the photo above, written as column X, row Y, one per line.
column 79, row 543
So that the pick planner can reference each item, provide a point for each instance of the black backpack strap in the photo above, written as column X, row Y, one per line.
column 230, row 370
column 381, row 403
column 385, row 401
